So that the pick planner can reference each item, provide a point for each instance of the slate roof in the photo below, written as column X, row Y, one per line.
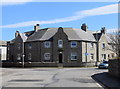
column 72, row 33
column 3, row 43
column 23, row 36
column 37, row 35
column 97, row 36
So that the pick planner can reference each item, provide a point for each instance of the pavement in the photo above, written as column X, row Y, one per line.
column 60, row 78
column 107, row 81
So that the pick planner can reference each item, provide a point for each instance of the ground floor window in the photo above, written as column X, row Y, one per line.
column 103, row 56
column 73, row 56
column 18, row 57
column 29, row 56
column 91, row 56
column 47, row 56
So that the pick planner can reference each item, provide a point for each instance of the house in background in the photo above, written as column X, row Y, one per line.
column 54, row 46
column 3, row 50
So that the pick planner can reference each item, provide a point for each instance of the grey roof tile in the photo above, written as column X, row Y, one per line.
column 72, row 33
column 23, row 36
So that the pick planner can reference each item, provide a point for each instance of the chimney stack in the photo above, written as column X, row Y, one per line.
column 84, row 27
column 16, row 33
column 103, row 30
column 36, row 27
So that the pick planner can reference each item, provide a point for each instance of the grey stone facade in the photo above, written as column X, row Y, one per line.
column 54, row 46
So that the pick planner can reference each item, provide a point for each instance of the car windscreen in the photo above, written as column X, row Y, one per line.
column 105, row 62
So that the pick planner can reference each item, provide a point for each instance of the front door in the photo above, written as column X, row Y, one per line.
column 60, row 57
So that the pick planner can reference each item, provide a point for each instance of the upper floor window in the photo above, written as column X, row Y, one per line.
column 18, row 46
column 18, row 57
column 91, row 44
column 29, row 46
column 73, row 56
column 60, row 43
column 47, row 56
column 103, row 45
column 73, row 44
column 47, row 44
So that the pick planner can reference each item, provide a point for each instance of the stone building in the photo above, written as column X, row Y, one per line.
column 58, row 46
column 3, row 49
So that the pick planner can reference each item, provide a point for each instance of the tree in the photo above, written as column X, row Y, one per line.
column 115, row 42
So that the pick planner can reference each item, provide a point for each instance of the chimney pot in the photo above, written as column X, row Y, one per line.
column 84, row 27
column 36, row 27
column 103, row 30
column 16, row 33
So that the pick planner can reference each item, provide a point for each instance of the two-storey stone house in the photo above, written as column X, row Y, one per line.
column 54, row 46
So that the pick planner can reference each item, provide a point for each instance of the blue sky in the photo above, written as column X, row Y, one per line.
column 57, row 14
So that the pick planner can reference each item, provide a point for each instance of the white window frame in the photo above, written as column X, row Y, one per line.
column 30, row 46
column 60, row 43
column 45, row 44
column 103, row 56
column 73, row 46
column 19, row 46
column 29, row 56
column 73, row 54
column 104, row 46
column 47, row 58
column 18, row 57
column 92, row 55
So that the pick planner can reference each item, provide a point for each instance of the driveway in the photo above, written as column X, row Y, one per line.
column 50, row 77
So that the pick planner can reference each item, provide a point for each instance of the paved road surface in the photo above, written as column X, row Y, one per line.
column 50, row 77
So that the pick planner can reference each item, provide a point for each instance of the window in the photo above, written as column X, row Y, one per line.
column 8, row 47
column 91, row 56
column 18, row 57
column 47, row 44
column 73, row 44
column 103, row 56
column 103, row 45
column 91, row 44
column 18, row 46
column 29, row 56
column 29, row 46
column 60, row 43
column 74, row 56
column 47, row 56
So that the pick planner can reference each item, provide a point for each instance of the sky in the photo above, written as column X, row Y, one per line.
column 23, row 16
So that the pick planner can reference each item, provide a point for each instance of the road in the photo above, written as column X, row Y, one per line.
column 50, row 77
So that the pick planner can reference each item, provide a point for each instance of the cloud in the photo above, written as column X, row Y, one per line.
column 109, row 9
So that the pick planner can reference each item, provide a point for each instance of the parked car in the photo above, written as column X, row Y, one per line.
column 103, row 65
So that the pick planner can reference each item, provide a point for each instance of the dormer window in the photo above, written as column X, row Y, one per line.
column 73, row 44
column 47, row 44
column 60, row 43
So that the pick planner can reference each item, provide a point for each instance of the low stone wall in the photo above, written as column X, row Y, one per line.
column 114, row 67
column 52, row 64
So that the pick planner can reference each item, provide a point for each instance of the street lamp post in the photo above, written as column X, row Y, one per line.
column 97, row 48
column 23, row 55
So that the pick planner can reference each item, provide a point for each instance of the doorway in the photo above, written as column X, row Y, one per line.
column 60, row 58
